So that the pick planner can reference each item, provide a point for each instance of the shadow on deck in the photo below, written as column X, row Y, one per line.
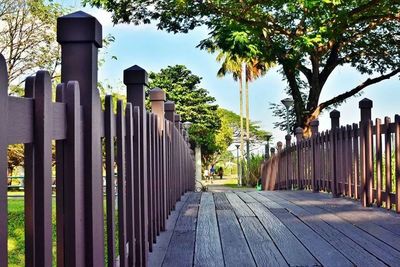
column 280, row 228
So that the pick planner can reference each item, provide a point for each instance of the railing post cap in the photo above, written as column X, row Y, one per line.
column 169, row 106
column 288, row 137
column 135, row 75
column 79, row 27
column 298, row 130
column 314, row 123
column 177, row 117
column 334, row 114
column 157, row 94
column 365, row 103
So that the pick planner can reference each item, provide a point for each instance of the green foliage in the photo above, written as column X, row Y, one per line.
column 309, row 39
column 194, row 104
column 16, row 233
column 254, row 170
column 28, row 38
column 232, row 120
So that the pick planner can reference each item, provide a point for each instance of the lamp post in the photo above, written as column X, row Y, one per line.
column 267, row 146
column 238, row 166
column 287, row 102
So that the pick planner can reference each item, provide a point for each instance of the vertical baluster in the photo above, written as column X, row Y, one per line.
column 29, row 188
column 378, row 163
column 356, row 160
column 3, row 161
column 388, row 162
column 109, row 132
column 43, row 160
column 130, row 199
column 74, row 229
column 120, row 127
column 397, row 159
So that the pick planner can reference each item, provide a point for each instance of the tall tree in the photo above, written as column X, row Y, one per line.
column 193, row 102
column 232, row 63
column 309, row 39
column 28, row 38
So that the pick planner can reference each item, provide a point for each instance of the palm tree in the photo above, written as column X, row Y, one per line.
column 253, row 68
column 232, row 63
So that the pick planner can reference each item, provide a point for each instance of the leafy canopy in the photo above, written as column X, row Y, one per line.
column 192, row 102
column 307, row 38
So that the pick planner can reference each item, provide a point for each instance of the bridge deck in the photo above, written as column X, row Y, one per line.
column 278, row 228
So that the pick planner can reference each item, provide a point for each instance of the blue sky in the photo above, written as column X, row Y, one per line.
column 152, row 49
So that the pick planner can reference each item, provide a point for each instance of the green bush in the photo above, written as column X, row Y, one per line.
column 251, row 177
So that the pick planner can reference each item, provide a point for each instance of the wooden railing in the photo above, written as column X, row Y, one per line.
column 360, row 161
column 146, row 158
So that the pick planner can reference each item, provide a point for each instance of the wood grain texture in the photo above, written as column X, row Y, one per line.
column 324, row 252
column 264, row 251
column 208, row 251
column 221, row 202
column 240, row 208
column 341, row 242
column 234, row 246
column 371, row 244
column 291, row 248
column 181, row 248
column 156, row 257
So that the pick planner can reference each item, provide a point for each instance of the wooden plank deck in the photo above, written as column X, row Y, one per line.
column 279, row 228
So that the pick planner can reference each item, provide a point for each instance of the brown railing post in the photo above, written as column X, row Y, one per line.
column 73, row 184
column 170, row 116
column 335, row 116
column 42, row 169
column 288, row 139
column 157, row 98
column 315, row 163
column 365, row 106
column 279, row 147
column 80, row 36
column 300, row 168
column 136, row 79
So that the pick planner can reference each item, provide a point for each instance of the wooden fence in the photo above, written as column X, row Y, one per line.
column 359, row 161
column 145, row 157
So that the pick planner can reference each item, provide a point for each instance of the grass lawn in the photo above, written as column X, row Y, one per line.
column 16, row 232
column 233, row 183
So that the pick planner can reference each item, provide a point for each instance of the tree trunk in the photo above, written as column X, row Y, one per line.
column 241, row 117
column 247, row 125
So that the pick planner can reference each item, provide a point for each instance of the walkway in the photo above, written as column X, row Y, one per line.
column 277, row 228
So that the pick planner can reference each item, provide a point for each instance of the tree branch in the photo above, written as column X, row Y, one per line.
column 357, row 89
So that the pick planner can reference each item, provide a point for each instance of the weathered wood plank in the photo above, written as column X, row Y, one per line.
column 163, row 240
column 386, row 219
column 374, row 246
column 261, row 245
column 208, row 251
column 240, row 208
column 324, row 252
column 235, row 249
column 341, row 242
column 188, row 216
column 291, row 248
column 245, row 197
column 181, row 248
column 221, row 202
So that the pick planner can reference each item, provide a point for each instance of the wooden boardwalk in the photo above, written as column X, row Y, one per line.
column 279, row 228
